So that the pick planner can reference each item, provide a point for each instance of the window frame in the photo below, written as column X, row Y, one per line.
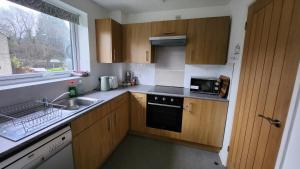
column 42, row 76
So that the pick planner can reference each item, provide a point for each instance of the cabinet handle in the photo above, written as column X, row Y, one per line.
column 168, row 33
column 115, row 119
column 147, row 56
column 190, row 109
column 114, row 55
column 108, row 124
column 191, row 55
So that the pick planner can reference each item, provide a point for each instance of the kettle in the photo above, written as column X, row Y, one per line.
column 104, row 83
column 113, row 82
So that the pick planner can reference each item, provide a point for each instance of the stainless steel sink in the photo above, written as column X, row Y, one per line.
column 76, row 103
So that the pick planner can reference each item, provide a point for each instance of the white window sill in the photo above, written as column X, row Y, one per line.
column 13, row 86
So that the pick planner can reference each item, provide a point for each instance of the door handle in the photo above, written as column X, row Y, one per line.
column 274, row 122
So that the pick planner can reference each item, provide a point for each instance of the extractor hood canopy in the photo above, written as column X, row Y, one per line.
column 168, row 40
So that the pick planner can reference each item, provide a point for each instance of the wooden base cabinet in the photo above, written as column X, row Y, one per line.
column 93, row 145
column 138, row 112
column 96, row 139
column 204, row 121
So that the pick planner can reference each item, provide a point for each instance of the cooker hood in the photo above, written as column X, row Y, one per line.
column 168, row 40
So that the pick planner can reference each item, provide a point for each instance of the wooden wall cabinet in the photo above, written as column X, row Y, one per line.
column 136, row 45
column 204, row 121
column 169, row 28
column 108, row 41
column 208, row 40
column 99, row 132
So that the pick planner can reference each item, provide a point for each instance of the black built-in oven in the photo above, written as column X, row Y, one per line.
column 164, row 112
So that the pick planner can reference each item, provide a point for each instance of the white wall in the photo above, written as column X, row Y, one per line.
column 239, row 13
column 184, row 13
column 288, row 156
column 93, row 11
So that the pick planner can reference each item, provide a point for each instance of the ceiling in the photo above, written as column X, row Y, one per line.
column 140, row 6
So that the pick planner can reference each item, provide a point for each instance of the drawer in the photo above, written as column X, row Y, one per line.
column 116, row 102
column 85, row 121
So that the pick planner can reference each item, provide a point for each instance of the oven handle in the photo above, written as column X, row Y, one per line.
column 164, row 105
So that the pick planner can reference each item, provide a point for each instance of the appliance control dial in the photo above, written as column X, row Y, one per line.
column 216, row 88
column 217, row 83
column 164, row 99
column 172, row 100
column 155, row 98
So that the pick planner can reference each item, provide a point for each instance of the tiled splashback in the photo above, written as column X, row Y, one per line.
column 170, row 69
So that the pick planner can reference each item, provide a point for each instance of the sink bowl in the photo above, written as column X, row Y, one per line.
column 76, row 103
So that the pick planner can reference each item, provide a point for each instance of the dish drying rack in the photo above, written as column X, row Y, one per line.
column 29, row 115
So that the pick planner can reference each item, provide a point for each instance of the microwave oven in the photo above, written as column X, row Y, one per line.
column 205, row 85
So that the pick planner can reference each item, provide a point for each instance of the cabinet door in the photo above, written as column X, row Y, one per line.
column 169, row 28
column 88, row 119
column 116, row 41
column 136, row 45
column 208, row 40
column 92, row 146
column 120, row 122
column 138, row 112
column 204, row 121
column 108, row 41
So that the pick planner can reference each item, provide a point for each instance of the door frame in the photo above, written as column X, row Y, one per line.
column 287, row 133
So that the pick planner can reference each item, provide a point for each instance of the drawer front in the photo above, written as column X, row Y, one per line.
column 89, row 118
column 116, row 102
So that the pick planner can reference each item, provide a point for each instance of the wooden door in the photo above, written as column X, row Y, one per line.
column 92, row 146
column 136, row 45
column 204, row 121
column 271, row 57
column 169, row 28
column 138, row 112
column 208, row 40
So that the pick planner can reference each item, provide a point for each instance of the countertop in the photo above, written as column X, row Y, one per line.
column 9, row 147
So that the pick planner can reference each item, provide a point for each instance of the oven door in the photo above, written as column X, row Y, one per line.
column 163, row 116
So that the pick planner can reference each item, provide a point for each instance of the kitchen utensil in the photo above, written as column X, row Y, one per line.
column 104, row 83
column 113, row 82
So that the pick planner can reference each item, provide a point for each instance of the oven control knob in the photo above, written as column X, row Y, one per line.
column 172, row 100
column 155, row 98
column 164, row 99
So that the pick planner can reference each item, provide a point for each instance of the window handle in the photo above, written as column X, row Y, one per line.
column 274, row 122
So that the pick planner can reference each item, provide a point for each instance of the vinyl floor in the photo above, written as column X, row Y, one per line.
column 137, row 152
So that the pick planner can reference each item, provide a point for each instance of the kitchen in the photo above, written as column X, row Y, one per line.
column 161, row 84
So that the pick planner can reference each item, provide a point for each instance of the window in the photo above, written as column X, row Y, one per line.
column 35, row 43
